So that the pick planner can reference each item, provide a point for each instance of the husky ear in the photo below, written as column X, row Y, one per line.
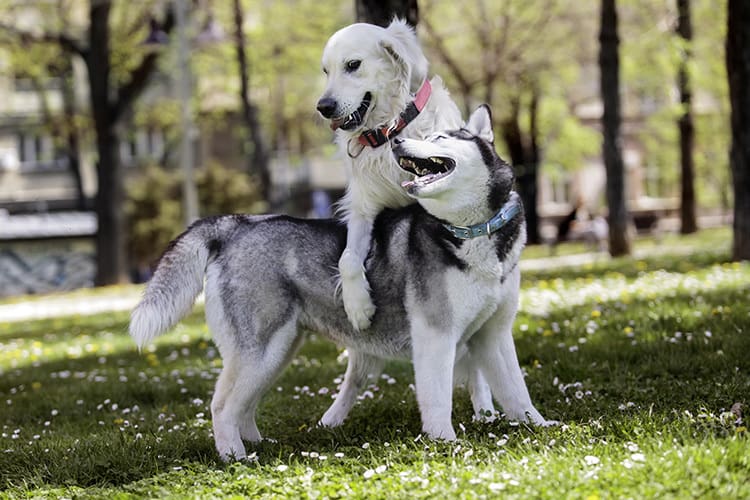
column 480, row 123
column 401, row 44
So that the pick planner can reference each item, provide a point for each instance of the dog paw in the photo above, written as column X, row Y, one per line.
column 549, row 423
column 231, row 454
column 361, row 318
column 331, row 419
column 440, row 433
column 358, row 305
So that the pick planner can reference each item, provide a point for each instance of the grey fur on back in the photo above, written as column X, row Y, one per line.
column 277, row 267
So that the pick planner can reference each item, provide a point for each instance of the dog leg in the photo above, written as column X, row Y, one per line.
column 494, row 349
column 467, row 372
column 275, row 360
column 481, row 396
column 226, row 428
column 361, row 368
column 355, row 290
column 434, row 356
column 246, row 376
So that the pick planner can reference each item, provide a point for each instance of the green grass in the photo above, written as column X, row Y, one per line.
column 640, row 359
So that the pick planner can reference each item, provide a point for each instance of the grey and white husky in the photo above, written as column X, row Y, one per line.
column 444, row 275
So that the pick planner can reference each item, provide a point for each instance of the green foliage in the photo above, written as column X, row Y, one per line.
column 284, row 42
column 641, row 361
column 651, row 53
column 154, row 213
column 222, row 190
column 567, row 141
column 499, row 49
column 154, row 204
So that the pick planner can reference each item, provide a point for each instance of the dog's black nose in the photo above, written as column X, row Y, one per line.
column 397, row 140
column 327, row 106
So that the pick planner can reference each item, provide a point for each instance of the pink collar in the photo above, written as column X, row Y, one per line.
column 379, row 136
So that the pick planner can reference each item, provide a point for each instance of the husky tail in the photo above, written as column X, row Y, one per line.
column 178, row 279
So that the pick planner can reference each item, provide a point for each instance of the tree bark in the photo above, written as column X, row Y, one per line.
column 738, row 73
column 258, row 161
column 382, row 12
column 609, row 65
column 524, row 156
column 110, row 237
column 688, row 218
column 108, row 105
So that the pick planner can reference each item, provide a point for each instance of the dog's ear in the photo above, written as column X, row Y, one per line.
column 401, row 44
column 480, row 123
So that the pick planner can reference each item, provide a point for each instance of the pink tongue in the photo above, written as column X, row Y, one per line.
column 336, row 124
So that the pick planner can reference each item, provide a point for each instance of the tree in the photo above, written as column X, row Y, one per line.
column 382, row 12
column 113, row 88
column 525, row 157
column 512, row 49
column 738, row 74
column 685, row 123
column 109, row 103
column 609, row 66
column 259, row 159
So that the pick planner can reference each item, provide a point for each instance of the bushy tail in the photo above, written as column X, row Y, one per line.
column 178, row 280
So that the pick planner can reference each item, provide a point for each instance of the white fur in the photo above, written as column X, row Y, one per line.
column 162, row 308
column 392, row 69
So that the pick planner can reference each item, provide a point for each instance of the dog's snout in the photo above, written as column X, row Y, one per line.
column 397, row 140
column 327, row 106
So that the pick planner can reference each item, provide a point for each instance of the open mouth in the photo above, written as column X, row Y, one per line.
column 356, row 118
column 426, row 170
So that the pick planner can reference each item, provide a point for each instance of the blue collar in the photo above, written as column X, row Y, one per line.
column 511, row 208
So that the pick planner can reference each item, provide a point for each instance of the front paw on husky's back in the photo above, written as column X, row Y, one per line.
column 355, row 291
column 357, row 302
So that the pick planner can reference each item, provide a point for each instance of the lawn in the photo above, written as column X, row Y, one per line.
column 644, row 361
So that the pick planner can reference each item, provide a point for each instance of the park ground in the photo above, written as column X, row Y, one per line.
column 643, row 360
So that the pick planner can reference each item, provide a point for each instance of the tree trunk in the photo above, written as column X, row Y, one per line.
column 738, row 73
column 110, row 236
column 524, row 156
column 685, row 124
column 609, row 64
column 382, row 12
column 532, row 215
column 258, row 162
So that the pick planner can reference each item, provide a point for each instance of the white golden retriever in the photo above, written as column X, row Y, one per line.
column 377, row 89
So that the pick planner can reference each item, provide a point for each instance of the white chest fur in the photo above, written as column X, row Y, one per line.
column 476, row 292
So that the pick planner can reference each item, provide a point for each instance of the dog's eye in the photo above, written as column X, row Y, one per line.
column 325, row 71
column 353, row 65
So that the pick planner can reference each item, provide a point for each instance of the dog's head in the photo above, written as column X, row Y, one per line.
column 371, row 72
column 457, row 171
